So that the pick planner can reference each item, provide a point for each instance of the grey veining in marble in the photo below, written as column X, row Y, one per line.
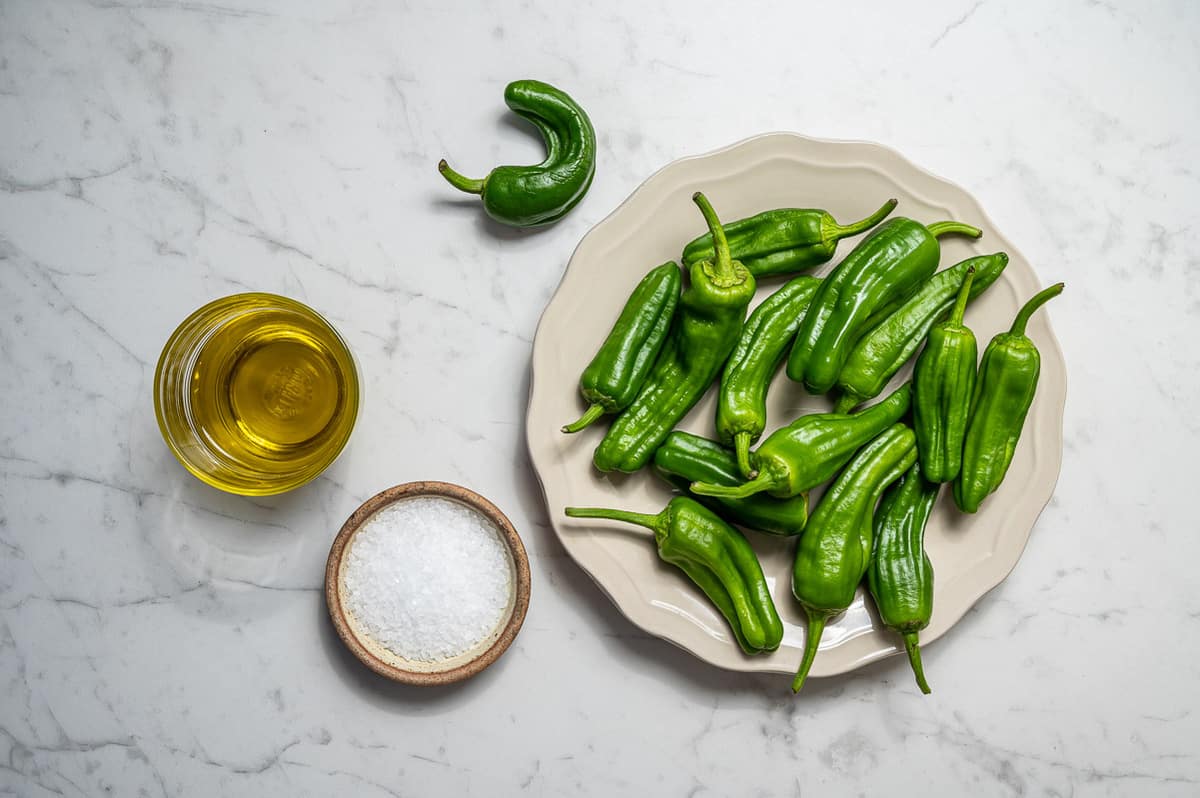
column 159, row 638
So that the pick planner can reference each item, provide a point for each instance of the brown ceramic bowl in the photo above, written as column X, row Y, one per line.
column 387, row 663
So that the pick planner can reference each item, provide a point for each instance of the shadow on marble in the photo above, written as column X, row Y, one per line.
column 485, row 224
column 402, row 699
column 200, row 537
column 527, row 487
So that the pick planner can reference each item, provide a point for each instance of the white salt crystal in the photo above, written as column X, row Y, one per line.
column 428, row 578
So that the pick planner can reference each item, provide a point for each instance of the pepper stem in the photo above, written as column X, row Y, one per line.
column 964, row 293
column 816, row 626
column 939, row 229
column 637, row 519
column 589, row 417
column 914, row 659
column 1038, row 299
column 845, row 403
column 853, row 229
column 757, row 485
column 458, row 181
column 722, row 262
column 741, row 445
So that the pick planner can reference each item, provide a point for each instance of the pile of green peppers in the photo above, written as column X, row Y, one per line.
column 847, row 334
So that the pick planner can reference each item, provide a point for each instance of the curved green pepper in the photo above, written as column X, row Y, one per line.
column 883, row 270
column 1008, row 377
column 742, row 398
column 611, row 381
column 835, row 549
column 527, row 196
column 785, row 240
column 811, row 449
column 684, row 458
column 882, row 352
column 943, row 385
column 900, row 576
column 717, row 558
column 703, row 333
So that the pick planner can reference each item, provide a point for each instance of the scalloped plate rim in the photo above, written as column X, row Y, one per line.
column 984, row 579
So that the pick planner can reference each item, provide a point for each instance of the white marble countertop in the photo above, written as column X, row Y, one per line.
column 160, row 638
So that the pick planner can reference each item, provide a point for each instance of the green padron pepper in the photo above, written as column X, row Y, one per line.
column 1004, row 389
column 943, row 384
column 835, row 549
column 684, row 458
column 717, row 558
column 876, row 277
column 811, row 449
column 612, row 380
column 742, row 398
column 882, row 352
column 703, row 333
column 785, row 240
column 528, row 196
column 900, row 577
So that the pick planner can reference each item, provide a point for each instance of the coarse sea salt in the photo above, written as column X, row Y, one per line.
column 428, row 578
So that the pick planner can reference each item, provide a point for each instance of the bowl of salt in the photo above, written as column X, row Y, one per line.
column 427, row 583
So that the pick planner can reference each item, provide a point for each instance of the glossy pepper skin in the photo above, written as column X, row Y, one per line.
column 900, row 576
column 684, row 458
column 835, row 549
column 784, row 241
column 612, row 380
column 717, row 558
column 943, row 385
column 882, row 271
column 742, row 398
column 1004, row 389
column 811, row 449
column 528, row 196
column 882, row 352
column 703, row 333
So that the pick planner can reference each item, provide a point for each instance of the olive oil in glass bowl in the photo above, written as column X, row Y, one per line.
column 256, row 394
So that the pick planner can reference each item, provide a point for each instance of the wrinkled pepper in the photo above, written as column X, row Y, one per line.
column 704, row 331
column 742, row 398
column 717, row 558
column 880, row 273
column 785, row 240
column 684, row 458
column 882, row 352
column 943, row 386
column 900, row 577
column 1004, row 389
column 612, row 380
column 811, row 449
column 835, row 549
column 528, row 196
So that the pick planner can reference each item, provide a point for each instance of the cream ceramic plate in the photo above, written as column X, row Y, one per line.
column 971, row 554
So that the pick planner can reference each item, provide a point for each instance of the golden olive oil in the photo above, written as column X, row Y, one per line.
column 256, row 394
